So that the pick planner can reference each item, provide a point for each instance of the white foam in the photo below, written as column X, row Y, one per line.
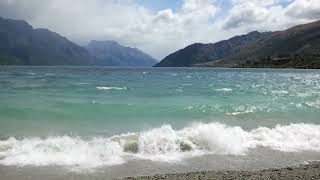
column 31, row 73
column 224, row 89
column 111, row 88
column 280, row 92
column 63, row 151
column 291, row 138
column 159, row 144
column 314, row 104
column 242, row 110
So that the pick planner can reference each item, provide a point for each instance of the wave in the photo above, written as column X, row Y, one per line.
column 280, row 92
column 160, row 144
column 31, row 73
column 111, row 88
column 224, row 89
column 314, row 104
column 241, row 112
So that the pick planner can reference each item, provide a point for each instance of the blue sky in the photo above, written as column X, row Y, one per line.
column 157, row 5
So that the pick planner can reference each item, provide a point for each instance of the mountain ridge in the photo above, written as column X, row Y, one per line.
column 116, row 54
column 296, row 47
column 201, row 53
column 23, row 45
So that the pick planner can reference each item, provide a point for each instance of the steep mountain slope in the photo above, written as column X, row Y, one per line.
column 112, row 53
column 297, row 47
column 20, row 44
column 202, row 53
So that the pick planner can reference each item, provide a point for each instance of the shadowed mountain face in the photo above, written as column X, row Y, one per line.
column 112, row 53
column 297, row 47
column 203, row 53
column 21, row 44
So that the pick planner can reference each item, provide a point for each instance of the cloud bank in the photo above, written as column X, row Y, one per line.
column 162, row 32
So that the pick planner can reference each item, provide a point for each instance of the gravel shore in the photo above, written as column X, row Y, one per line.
column 306, row 171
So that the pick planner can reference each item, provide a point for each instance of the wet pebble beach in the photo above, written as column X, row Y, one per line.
column 306, row 171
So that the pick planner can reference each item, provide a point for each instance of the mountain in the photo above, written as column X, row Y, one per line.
column 202, row 53
column 297, row 47
column 112, row 53
column 21, row 44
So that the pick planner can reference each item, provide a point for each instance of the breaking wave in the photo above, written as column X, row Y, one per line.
column 314, row 104
column 224, row 89
column 111, row 88
column 160, row 144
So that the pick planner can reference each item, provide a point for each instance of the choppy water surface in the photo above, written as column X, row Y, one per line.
column 121, row 122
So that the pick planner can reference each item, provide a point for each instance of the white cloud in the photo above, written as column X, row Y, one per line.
column 200, row 8
column 270, row 15
column 246, row 14
column 164, row 16
column 307, row 9
column 163, row 32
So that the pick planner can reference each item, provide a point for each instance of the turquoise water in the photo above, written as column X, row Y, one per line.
column 55, row 111
column 61, row 101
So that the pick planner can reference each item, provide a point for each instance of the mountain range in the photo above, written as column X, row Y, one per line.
column 112, row 53
column 21, row 44
column 297, row 47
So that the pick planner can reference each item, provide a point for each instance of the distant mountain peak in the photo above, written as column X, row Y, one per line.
column 112, row 53
column 106, row 42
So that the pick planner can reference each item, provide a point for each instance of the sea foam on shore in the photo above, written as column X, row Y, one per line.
column 162, row 144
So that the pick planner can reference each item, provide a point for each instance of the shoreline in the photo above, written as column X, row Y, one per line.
column 302, row 171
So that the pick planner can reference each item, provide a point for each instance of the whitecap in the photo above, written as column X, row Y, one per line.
column 280, row 92
column 111, row 88
column 314, row 104
column 224, row 89
column 31, row 73
column 239, row 112
column 243, row 110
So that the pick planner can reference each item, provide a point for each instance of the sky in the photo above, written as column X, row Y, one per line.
column 160, row 27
